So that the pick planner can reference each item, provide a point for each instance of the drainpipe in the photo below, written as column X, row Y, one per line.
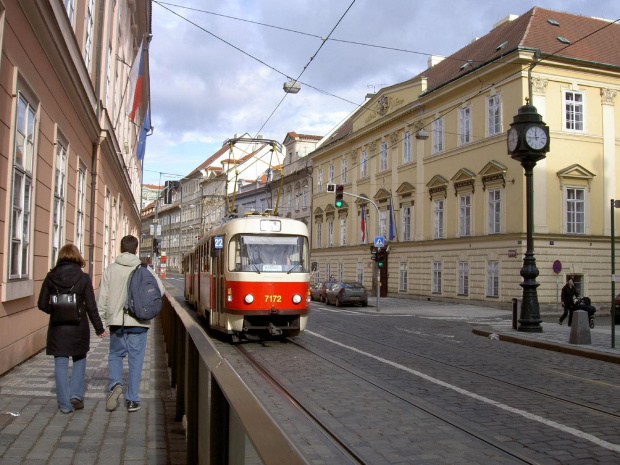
column 96, row 145
column 529, row 73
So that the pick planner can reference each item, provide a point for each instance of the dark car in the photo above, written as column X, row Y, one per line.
column 617, row 305
column 347, row 294
column 317, row 292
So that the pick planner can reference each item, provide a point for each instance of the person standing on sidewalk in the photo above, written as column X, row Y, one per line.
column 127, row 334
column 70, row 340
column 569, row 294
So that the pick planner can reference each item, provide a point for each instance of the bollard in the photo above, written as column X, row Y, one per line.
column 514, row 312
column 580, row 328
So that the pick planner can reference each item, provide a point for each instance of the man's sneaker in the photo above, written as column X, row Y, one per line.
column 133, row 406
column 115, row 393
column 77, row 403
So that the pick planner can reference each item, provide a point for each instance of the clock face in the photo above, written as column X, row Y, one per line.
column 536, row 137
column 513, row 139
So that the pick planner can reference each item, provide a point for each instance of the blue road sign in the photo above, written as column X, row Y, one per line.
column 219, row 242
column 379, row 241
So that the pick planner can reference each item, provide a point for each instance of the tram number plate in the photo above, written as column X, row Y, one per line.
column 273, row 298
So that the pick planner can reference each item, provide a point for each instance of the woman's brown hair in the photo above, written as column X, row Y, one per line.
column 70, row 253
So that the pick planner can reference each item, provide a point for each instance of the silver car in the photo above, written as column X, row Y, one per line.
column 346, row 294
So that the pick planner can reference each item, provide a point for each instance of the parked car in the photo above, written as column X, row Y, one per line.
column 317, row 292
column 617, row 302
column 346, row 293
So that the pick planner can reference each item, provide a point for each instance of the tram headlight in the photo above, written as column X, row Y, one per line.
column 229, row 295
column 248, row 299
column 296, row 299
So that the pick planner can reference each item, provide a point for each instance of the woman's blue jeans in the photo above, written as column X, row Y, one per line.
column 65, row 389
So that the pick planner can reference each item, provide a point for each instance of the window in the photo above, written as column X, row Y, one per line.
column 578, row 281
column 317, row 273
column 304, row 199
column 340, row 271
column 495, row 211
column 360, row 272
column 407, row 223
column 465, row 215
column 70, row 7
column 330, row 234
column 438, row 135
column 79, row 220
column 464, row 125
column 494, row 121
column 573, row 111
column 407, row 147
column 575, row 211
column 319, row 181
column 364, row 165
column 463, row 278
column 106, row 229
column 343, row 231
column 58, row 212
column 403, row 277
column 343, row 171
column 383, row 157
column 438, row 218
column 108, row 78
column 289, row 202
column 88, row 40
column 331, row 173
column 319, row 235
column 493, row 278
column 328, row 272
column 437, row 270
column 113, row 235
column 21, row 195
column 383, row 216
column 296, row 202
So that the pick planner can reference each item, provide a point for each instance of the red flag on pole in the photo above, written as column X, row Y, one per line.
column 363, row 225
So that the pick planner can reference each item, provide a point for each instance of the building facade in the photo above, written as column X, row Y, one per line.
column 68, row 149
column 430, row 153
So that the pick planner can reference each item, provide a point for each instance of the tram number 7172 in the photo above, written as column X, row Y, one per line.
column 273, row 298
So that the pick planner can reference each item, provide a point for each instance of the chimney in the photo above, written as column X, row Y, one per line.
column 434, row 60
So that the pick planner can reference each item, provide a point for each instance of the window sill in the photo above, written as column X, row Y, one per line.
column 14, row 290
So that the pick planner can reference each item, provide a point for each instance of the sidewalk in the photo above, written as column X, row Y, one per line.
column 32, row 429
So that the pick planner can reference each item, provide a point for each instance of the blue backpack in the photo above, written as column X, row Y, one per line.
column 143, row 296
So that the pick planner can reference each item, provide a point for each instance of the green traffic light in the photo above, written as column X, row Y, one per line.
column 339, row 203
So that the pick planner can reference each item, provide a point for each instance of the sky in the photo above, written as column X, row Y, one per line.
column 217, row 68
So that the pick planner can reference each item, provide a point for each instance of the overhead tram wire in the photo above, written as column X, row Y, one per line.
column 308, row 64
column 162, row 4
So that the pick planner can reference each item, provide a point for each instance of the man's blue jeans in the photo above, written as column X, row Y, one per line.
column 133, row 345
column 65, row 390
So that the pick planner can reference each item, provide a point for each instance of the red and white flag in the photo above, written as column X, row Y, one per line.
column 363, row 225
column 135, row 84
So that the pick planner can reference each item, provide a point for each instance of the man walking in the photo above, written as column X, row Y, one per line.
column 127, row 334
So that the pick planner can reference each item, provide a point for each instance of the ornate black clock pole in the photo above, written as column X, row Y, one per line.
column 528, row 142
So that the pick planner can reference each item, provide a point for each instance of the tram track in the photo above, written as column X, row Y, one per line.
column 564, row 400
column 348, row 451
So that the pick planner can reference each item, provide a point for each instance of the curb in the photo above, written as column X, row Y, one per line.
column 579, row 351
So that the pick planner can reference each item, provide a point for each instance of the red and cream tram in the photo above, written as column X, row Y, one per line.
column 249, row 276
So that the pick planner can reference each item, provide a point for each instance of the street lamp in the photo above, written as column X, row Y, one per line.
column 528, row 142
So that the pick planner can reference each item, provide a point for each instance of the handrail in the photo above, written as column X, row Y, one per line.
column 206, row 382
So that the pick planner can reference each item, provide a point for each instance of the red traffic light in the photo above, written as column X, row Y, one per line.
column 339, row 195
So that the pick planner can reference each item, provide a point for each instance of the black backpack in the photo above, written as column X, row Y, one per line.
column 143, row 296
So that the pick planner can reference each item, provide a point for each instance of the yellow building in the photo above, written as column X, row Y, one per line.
column 435, row 148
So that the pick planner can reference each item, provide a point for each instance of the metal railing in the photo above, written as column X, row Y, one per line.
column 226, row 424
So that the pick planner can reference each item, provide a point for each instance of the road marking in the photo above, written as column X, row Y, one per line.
column 530, row 416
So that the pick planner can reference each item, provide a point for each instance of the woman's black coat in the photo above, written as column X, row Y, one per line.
column 70, row 340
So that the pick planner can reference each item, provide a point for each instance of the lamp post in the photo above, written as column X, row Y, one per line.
column 528, row 142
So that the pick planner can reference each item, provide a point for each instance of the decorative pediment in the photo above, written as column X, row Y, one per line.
column 438, row 185
column 405, row 188
column 575, row 172
column 464, row 180
column 493, row 173
column 330, row 208
column 363, row 198
column 318, row 211
column 382, row 195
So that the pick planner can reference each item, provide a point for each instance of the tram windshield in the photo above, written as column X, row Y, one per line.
column 268, row 253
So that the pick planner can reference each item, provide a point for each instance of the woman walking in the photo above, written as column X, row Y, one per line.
column 70, row 338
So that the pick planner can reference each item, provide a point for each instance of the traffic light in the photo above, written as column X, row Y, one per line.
column 156, row 246
column 380, row 258
column 339, row 195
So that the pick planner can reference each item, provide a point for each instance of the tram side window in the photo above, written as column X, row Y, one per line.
column 259, row 253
